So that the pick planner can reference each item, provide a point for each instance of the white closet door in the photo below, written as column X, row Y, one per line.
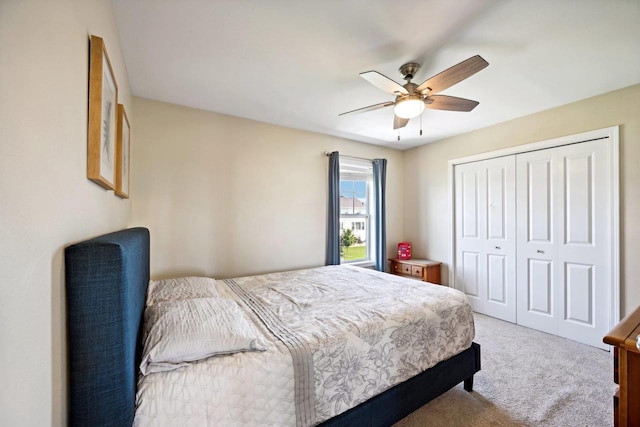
column 470, row 192
column 485, row 235
column 564, row 246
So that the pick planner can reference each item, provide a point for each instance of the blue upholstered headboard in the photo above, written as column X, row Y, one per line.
column 106, row 281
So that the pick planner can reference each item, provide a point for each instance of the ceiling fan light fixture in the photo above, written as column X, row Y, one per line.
column 409, row 107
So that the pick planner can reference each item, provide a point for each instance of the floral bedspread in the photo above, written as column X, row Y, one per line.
column 365, row 331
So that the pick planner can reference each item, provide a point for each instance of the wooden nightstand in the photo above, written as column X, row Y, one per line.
column 422, row 269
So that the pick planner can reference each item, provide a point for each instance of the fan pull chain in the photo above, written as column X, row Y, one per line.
column 420, row 124
column 398, row 134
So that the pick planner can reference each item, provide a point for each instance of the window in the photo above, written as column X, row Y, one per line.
column 356, row 205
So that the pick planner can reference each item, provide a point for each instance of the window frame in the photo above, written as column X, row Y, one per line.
column 352, row 169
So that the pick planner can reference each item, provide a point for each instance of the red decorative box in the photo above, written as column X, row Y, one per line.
column 404, row 250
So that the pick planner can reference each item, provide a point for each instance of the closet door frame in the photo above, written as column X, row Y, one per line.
column 610, row 133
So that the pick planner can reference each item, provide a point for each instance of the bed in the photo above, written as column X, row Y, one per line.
column 107, row 279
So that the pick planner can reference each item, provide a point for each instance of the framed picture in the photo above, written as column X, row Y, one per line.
column 103, row 102
column 123, row 149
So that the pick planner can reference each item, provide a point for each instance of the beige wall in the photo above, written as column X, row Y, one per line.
column 46, row 201
column 225, row 196
column 427, row 220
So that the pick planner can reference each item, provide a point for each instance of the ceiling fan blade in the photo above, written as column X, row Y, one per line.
column 451, row 103
column 384, row 83
column 369, row 108
column 399, row 122
column 453, row 75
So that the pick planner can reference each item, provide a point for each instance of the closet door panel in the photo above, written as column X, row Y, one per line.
column 500, row 243
column 540, row 287
column 485, row 235
column 497, row 283
column 496, row 194
column 584, row 248
column 579, row 200
column 470, row 274
column 536, row 207
column 470, row 193
column 579, row 281
column 539, row 204
column 471, row 182
column 564, row 198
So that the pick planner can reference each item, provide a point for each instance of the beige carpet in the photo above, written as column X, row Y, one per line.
column 528, row 378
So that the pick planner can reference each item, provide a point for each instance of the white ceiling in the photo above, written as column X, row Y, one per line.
column 295, row 63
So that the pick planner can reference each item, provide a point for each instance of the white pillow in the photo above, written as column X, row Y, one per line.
column 180, row 288
column 177, row 332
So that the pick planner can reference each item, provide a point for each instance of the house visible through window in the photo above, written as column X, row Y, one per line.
column 356, row 205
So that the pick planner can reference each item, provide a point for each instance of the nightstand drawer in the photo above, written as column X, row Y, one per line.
column 416, row 270
column 406, row 269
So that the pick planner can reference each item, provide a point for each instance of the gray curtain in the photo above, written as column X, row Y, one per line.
column 380, row 227
column 333, row 212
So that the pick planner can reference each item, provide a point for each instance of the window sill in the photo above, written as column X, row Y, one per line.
column 363, row 264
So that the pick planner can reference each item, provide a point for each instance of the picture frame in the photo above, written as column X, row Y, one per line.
column 123, row 152
column 103, row 102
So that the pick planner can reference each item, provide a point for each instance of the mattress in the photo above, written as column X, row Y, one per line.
column 333, row 336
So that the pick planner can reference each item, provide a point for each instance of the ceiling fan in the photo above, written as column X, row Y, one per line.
column 412, row 99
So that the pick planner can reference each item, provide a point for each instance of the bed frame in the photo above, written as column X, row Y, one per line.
column 107, row 280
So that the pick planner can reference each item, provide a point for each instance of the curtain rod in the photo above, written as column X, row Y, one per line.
column 328, row 153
